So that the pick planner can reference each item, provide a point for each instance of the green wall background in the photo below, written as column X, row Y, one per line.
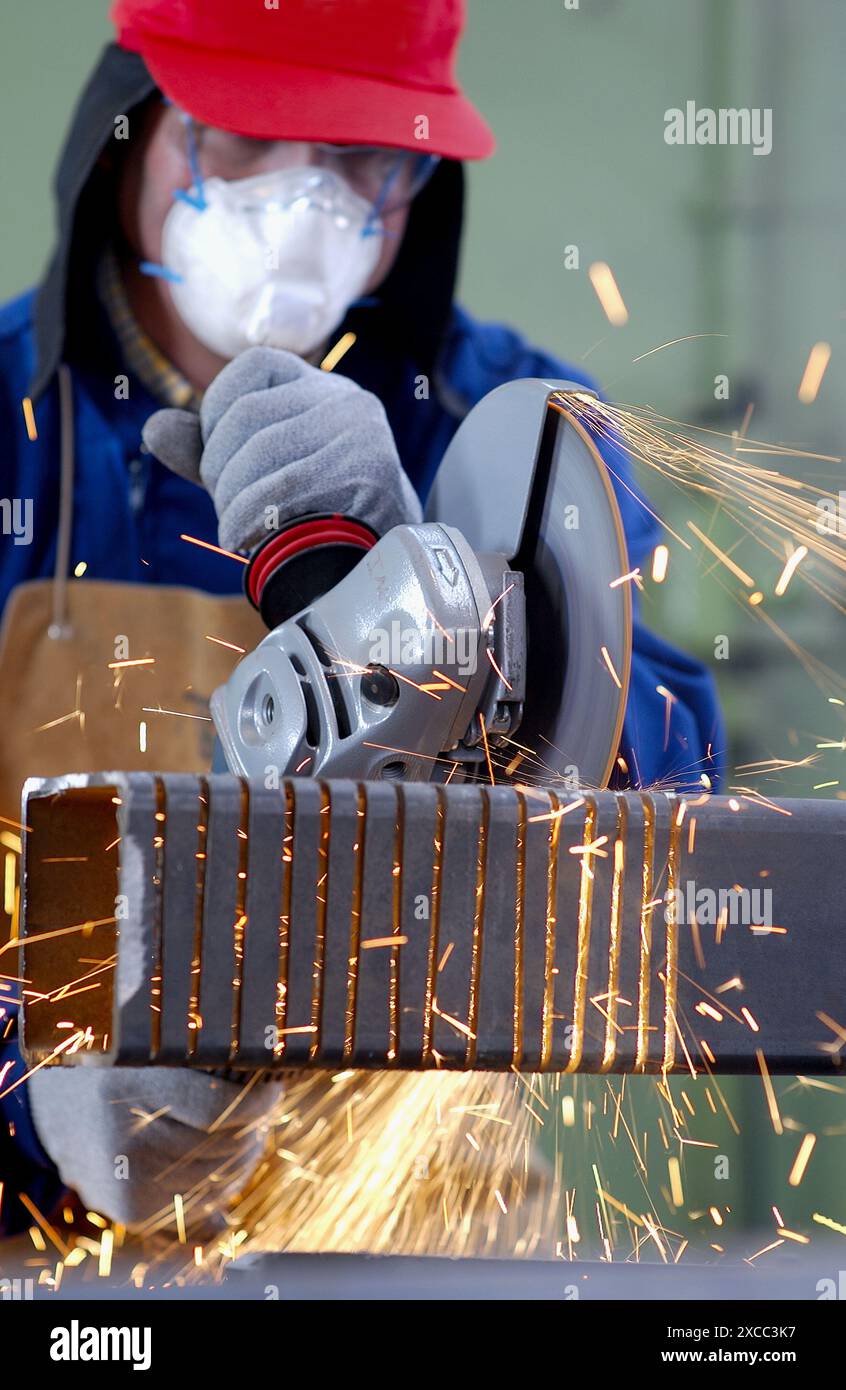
column 702, row 241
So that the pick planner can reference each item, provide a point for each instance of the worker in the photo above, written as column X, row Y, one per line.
column 199, row 121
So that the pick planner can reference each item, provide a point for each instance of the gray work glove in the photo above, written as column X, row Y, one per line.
column 204, row 1141
column 276, row 438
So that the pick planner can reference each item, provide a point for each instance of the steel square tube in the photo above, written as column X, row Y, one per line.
column 379, row 925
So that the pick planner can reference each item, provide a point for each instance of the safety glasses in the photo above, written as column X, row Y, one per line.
column 389, row 179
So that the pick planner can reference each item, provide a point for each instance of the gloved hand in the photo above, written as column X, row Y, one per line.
column 127, row 1139
column 276, row 438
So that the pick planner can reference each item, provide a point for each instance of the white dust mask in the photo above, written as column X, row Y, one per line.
column 274, row 260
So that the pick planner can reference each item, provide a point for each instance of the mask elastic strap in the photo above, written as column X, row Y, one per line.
column 369, row 228
column 160, row 272
column 197, row 199
column 426, row 165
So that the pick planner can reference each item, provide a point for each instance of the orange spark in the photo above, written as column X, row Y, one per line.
column 592, row 848
column 800, row 1163
column 414, row 685
column 487, row 748
column 206, row 545
column 233, row 647
column 488, row 618
column 660, row 561
column 633, row 576
column 335, row 353
column 818, row 359
column 609, row 663
column 772, row 1103
column 721, row 556
column 147, row 709
column 441, row 675
column 827, row 1221
column 608, row 293
column 489, row 654
column 29, row 417
column 789, row 570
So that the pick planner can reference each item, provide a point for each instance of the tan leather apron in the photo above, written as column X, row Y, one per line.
column 71, row 699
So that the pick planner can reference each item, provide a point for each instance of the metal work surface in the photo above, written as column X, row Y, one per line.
column 397, row 1278
column 213, row 922
column 272, row 1277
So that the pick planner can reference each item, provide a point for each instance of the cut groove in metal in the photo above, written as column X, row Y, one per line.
column 156, row 983
column 615, row 936
column 478, row 927
column 194, row 1021
column 647, row 908
column 434, row 911
column 672, row 958
column 580, row 983
column 287, row 851
column 320, row 934
column 355, row 924
column 519, row 920
column 396, row 928
column 240, row 923
column 549, row 934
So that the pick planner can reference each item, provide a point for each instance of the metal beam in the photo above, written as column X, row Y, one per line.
column 329, row 924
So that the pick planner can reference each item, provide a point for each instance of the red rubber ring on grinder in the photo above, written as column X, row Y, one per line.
column 332, row 530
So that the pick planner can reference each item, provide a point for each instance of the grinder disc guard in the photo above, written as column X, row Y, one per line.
column 522, row 477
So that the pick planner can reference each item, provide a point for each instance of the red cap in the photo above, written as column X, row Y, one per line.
column 355, row 72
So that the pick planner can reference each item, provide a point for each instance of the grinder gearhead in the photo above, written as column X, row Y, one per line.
column 497, row 613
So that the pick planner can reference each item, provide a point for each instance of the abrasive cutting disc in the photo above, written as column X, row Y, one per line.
column 579, row 646
column 523, row 478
